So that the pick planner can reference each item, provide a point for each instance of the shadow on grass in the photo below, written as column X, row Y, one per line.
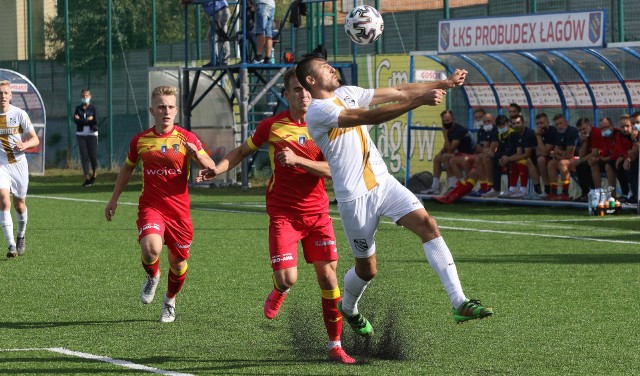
column 551, row 258
column 55, row 324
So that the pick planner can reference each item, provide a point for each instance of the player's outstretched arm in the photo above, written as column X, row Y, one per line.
column 286, row 157
column 351, row 117
column 124, row 176
column 202, row 159
column 231, row 160
column 407, row 91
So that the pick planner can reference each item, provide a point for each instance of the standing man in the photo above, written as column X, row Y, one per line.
column 219, row 13
column 265, row 10
column 86, row 118
column 165, row 151
column 298, row 207
column 17, row 135
column 364, row 189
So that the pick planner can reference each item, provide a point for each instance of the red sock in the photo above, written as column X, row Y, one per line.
column 176, row 280
column 524, row 174
column 484, row 186
column 330, row 313
column 152, row 269
column 513, row 174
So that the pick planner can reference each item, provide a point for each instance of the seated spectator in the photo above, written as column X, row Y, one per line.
column 457, row 142
column 545, row 136
column 607, row 157
column 485, row 148
column 478, row 118
column 514, row 110
column 503, row 128
column 522, row 148
column 626, row 159
column 564, row 151
column 589, row 136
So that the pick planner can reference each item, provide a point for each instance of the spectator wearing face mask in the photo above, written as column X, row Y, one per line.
column 485, row 149
column 504, row 131
column 478, row 118
column 86, row 119
column 521, row 152
column 457, row 143
column 626, row 156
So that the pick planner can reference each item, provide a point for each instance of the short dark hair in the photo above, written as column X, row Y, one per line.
column 480, row 110
column 501, row 120
column 541, row 115
column 518, row 117
column 637, row 113
column 287, row 76
column 558, row 116
column 305, row 69
column 581, row 121
column 445, row 112
column 516, row 106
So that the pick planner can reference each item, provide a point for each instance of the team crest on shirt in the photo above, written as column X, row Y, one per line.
column 176, row 148
column 361, row 244
column 350, row 101
column 163, row 149
column 302, row 139
column 13, row 121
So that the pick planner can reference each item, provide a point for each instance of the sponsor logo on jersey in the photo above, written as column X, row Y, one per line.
column 147, row 226
column 12, row 130
column 281, row 258
column 349, row 101
column 164, row 171
column 176, row 148
column 361, row 244
column 302, row 139
column 163, row 149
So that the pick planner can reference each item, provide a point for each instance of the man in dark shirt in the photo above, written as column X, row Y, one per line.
column 562, row 154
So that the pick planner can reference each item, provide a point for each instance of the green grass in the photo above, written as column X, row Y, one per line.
column 563, row 286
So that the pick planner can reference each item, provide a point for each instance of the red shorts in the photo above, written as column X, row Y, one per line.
column 177, row 234
column 315, row 232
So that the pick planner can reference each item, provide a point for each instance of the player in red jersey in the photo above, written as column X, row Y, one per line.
column 165, row 151
column 297, row 205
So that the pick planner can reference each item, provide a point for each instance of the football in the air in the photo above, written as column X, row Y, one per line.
column 364, row 24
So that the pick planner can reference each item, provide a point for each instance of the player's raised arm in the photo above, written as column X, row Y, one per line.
column 352, row 117
column 407, row 91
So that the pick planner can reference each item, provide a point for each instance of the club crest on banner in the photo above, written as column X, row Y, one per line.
column 444, row 35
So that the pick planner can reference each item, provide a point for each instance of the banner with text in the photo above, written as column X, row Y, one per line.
column 527, row 32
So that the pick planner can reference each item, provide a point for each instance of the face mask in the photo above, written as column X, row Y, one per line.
column 447, row 125
column 478, row 124
column 487, row 127
column 607, row 133
column 586, row 135
column 503, row 130
column 636, row 126
column 86, row 100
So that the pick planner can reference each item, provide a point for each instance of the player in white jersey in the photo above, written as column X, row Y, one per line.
column 16, row 135
column 337, row 120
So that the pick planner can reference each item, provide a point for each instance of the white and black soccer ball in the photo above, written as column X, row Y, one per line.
column 364, row 24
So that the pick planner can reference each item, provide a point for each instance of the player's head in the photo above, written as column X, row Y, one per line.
column 298, row 97
column 163, row 105
column 517, row 123
column 584, row 127
column 446, row 118
column 514, row 109
column 5, row 95
column 560, row 122
column 316, row 75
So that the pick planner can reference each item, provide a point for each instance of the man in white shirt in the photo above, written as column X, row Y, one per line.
column 364, row 189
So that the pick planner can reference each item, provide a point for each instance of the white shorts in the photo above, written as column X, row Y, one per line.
column 15, row 178
column 360, row 217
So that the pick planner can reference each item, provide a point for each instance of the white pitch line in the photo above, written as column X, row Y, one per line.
column 106, row 359
column 337, row 218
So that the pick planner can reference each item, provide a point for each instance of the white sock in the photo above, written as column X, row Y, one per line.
column 441, row 261
column 435, row 184
column 452, row 181
column 7, row 227
column 513, row 189
column 333, row 344
column 22, row 223
column 171, row 301
column 523, row 189
column 354, row 286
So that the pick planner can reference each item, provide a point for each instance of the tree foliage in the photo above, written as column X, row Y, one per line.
column 131, row 29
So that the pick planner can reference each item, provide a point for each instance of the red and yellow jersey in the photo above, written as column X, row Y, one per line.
column 292, row 191
column 165, row 169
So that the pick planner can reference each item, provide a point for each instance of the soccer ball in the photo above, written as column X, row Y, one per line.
column 364, row 24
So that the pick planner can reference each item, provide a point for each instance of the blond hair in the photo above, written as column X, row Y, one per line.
column 5, row 82
column 164, row 90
